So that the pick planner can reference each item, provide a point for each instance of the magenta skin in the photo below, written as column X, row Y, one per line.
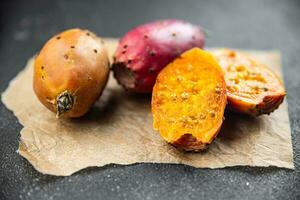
column 145, row 50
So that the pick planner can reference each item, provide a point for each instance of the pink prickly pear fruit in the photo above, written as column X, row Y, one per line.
column 145, row 50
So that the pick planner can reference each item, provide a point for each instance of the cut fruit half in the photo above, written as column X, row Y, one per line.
column 252, row 88
column 188, row 100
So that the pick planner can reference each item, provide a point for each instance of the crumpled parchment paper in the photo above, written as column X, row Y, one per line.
column 118, row 129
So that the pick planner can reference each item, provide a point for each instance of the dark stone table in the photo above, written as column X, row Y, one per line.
column 255, row 24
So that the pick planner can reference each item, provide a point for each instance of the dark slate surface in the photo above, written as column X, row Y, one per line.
column 26, row 25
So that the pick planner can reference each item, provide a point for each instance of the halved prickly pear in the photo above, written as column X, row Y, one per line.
column 188, row 100
column 252, row 88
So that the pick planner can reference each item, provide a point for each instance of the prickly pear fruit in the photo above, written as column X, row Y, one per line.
column 252, row 88
column 145, row 50
column 70, row 72
column 188, row 100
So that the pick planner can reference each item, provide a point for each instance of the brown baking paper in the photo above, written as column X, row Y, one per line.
column 118, row 129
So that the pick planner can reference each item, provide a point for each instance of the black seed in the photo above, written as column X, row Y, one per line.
column 129, row 61
column 66, row 56
column 145, row 36
column 173, row 34
column 42, row 67
column 95, row 50
column 123, row 52
column 43, row 77
column 151, row 53
column 88, row 34
column 72, row 47
column 58, row 37
column 125, row 46
column 151, row 70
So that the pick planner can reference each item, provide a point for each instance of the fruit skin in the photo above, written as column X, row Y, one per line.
column 70, row 72
column 188, row 142
column 188, row 100
column 252, row 88
column 145, row 50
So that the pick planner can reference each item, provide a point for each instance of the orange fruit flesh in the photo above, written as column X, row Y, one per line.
column 189, row 97
column 252, row 88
